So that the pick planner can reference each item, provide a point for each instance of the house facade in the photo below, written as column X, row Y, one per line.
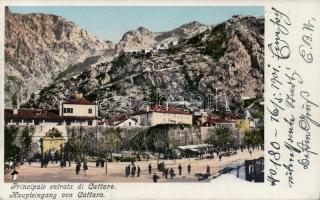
column 157, row 114
column 78, row 112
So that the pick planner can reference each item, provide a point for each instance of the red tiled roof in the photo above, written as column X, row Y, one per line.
column 163, row 109
column 79, row 101
column 38, row 114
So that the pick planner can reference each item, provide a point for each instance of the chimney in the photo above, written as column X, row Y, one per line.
column 60, row 108
column 15, row 111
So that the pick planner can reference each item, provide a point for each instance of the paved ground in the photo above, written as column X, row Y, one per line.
column 53, row 173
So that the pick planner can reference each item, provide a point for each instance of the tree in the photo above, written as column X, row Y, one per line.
column 26, row 140
column 77, row 142
column 139, row 142
column 220, row 137
column 254, row 137
column 110, row 143
column 11, row 150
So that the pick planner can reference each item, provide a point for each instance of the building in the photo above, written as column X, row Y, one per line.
column 122, row 121
column 80, row 112
column 157, row 114
column 77, row 112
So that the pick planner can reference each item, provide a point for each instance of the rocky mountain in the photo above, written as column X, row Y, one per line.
column 226, row 60
column 144, row 39
column 40, row 47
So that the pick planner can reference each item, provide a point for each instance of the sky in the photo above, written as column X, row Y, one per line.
column 111, row 22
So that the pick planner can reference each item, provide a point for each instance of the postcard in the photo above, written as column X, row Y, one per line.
column 160, row 100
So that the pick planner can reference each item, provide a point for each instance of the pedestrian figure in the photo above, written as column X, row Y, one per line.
column 14, row 175
column 155, row 178
column 102, row 163
column 29, row 161
column 180, row 169
column 133, row 171
column 129, row 169
column 166, row 172
column 171, row 172
column 138, row 172
column 189, row 168
column 78, row 166
column 56, row 155
column 97, row 163
column 85, row 168
column 250, row 152
column 61, row 163
column 208, row 169
column 126, row 171
column 220, row 156
column 150, row 168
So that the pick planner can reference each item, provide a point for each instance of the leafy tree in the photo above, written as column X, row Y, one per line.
column 11, row 150
column 139, row 142
column 110, row 143
column 253, row 137
column 220, row 137
column 26, row 140
column 78, row 142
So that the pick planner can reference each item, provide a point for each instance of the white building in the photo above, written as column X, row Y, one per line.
column 156, row 114
column 122, row 121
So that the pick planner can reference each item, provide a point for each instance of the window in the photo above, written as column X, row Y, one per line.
column 90, row 110
column 89, row 123
column 68, row 123
column 129, row 123
column 68, row 110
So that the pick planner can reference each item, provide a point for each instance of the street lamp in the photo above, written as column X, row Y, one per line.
column 41, row 151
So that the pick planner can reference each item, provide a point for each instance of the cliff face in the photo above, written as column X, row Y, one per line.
column 227, row 58
column 38, row 47
column 142, row 38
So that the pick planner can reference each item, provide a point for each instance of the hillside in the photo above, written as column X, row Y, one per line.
column 228, row 57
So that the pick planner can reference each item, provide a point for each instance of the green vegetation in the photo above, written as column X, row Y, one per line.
column 253, row 137
column 26, row 140
column 54, row 133
column 14, row 99
column 6, row 88
column 214, row 46
column 195, row 41
column 248, row 102
column 11, row 150
column 12, row 78
column 17, row 142
column 259, row 111
column 220, row 137
column 174, row 49
column 100, row 77
column 121, row 60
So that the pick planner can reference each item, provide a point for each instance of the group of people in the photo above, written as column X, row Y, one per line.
column 132, row 169
column 100, row 162
column 167, row 171
column 78, row 168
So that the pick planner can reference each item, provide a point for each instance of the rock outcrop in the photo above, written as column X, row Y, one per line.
column 38, row 47
column 225, row 60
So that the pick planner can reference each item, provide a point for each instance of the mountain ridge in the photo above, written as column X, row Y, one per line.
column 227, row 57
